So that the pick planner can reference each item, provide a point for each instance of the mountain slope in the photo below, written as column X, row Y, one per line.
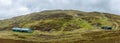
column 67, row 20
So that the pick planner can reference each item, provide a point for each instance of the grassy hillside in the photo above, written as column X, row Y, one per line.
column 62, row 20
column 62, row 26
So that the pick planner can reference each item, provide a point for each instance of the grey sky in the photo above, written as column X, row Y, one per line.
column 11, row 8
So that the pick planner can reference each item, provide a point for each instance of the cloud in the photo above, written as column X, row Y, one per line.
column 115, row 6
column 5, row 2
column 11, row 8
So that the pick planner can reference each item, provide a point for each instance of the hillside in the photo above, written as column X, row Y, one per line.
column 61, row 20
column 62, row 26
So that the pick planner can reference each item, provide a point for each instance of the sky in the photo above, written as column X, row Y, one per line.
column 11, row 8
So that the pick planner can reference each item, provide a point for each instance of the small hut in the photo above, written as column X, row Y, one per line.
column 22, row 30
column 106, row 27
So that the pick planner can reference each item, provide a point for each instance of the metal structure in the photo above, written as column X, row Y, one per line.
column 28, row 30
column 106, row 27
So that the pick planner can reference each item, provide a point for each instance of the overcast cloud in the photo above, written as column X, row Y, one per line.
column 11, row 8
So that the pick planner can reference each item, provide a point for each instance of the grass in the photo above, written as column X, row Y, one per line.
column 41, row 36
column 75, row 36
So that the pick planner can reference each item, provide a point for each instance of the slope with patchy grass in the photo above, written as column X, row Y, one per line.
column 63, row 26
column 62, row 20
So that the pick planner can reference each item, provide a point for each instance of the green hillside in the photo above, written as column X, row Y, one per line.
column 62, row 26
column 66, row 20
